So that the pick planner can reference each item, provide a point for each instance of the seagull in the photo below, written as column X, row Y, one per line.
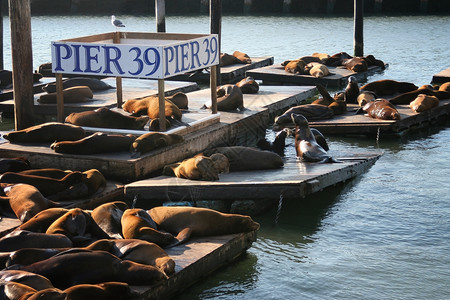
column 116, row 22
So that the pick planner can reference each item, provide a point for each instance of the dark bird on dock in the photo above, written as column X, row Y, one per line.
column 116, row 22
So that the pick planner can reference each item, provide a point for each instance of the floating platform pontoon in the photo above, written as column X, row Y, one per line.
column 441, row 77
column 338, row 77
column 228, row 74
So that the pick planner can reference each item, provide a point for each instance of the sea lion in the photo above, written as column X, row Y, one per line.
column 137, row 224
column 381, row 109
column 154, row 124
column 47, row 132
column 180, row 99
column 19, row 239
column 320, row 139
column 106, row 118
column 28, row 256
column 277, row 145
column 42, row 220
column 26, row 201
column 351, row 91
column 424, row 102
column 50, row 294
column 407, row 97
column 229, row 98
column 140, row 251
column 14, row 164
column 74, row 94
column 242, row 57
column 153, row 140
column 372, row 61
column 388, row 87
column 185, row 222
column 149, row 106
column 322, row 56
column 37, row 282
column 337, row 58
column 317, row 70
column 199, row 167
column 311, row 59
column 108, row 217
column 311, row 112
column 326, row 97
column 248, row 158
column 95, row 143
column 94, row 84
column 94, row 180
column 445, row 87
column 248, row 85
column 14, row 290
column 306, row 146
column 296, row 66
column 337, row 103
column 47, row 172
column 227, row 59
column 78, row 226
column 365, row 97
column 106, row 290
column 72, row 268
column 355, row 64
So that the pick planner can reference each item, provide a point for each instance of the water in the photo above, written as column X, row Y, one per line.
column 383, row 235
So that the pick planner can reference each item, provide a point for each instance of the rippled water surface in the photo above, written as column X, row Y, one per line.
column 383, row 235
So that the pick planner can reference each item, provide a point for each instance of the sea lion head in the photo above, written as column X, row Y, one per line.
column 221, row 162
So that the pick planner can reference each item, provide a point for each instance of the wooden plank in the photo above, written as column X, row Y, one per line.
column 197, row 259
column 228, row 74
column 442, row 76
column 339, row 76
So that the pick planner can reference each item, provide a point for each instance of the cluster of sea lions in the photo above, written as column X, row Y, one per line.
column 77, row 253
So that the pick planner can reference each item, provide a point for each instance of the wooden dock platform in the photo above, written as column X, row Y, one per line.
column 349, row 123
column 228, row 74
column 275, row 74
column 232, row 127
column 7, row 94
column 442, row 76
column 132, row 89
column 263, row 187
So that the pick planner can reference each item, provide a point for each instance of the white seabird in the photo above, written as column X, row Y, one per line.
column 116, row 22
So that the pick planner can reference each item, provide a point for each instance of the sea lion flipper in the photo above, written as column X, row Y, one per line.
column 181, row 237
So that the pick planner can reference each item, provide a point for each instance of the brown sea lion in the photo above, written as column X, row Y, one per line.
column 337, row 103
column 355, row 64
column 47, row 132
column 94, row 180
column 242, row 57
column 372, row 61
column 311, row 112
column 277, row 145
column 35, row 281
column 227, row 59
column 326, row 97
column 46, row 294
column 322, row 56
column 140, row 251
column 47, row 172
column 248, row 85
column 351, row 91
column 424, row 102
column 106, row 118
column 198, row 167
column 95, row 143
column 93, row 83
column 296, row 66
column 100, row 291
column 317, row 70
column 153, row 140
column 14, row 164
column 311, row 59
column 381, row 109
column 320, row 139
column 74, row 94
column 42, row 220
column 108, row 217
column 180, row 99
column 149, row 106
column 248, row 158
column 28, row 256
column 388, row 87
column 19, row 239
column 72, row 268
column 14, row 290
column 137, row 224
column 185, row 222
column 336, row 59
column 154, row 124
column 306, row 146
column 229, row 98
column 445, row 87
column 26, row 201
column 365, row 97
column 78, row 226
column 407, row 97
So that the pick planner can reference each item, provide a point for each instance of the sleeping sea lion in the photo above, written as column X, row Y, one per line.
column 137, row 224
column 248, row 85
column 106, row 118
column 185, row 222
column 248, row 158
column 227, row 59
column 424, row 102
column 149, row 106
column 93, row 83
column 311, row 59
column 105, row 290
column 296, row 66
column 19, row 239
column 42, row 220
column 388, row 87
column 407, row 97
column 108, row 217
column 37, row 282
column 74, row 94
column 242, row 57
column 14, row 164
column 229, row 98
column 28, row 256
column 381, row 109
column 322, row 56
column 364, row 97
column 47, row 132
column 311, row 112
column 153, row 140
column 95, row 143
column 180, row 99
column 337, row 58
column 317, row 70
column 72, row 268
column 306, row 146
column 351, row 91
column 15, row 290
column 355, row 64
column 445, row 87
column 47, row 172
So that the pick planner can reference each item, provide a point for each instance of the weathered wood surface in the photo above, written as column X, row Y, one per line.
column 228, row 74
column 132, row 89
column 442, row 76
column 350, row 123
column 295, row 180
column 234, row 127
column 197, row 259
column 338, row 77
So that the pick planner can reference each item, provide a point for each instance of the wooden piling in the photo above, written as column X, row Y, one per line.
column 378, row 6
column 22, row 62
column 287, row 6
column 215, row 15
column 59, row 98
column 162, row 105
column 160, row 10
column 330, row 6
column 116, row 40
column 358, row 44
column 247, row 6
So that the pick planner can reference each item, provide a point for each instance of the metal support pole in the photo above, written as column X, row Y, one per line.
column 162, row 105
column 59, row 98
column 160, row 11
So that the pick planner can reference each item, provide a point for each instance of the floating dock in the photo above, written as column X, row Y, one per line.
column 350, row 123
column 7, row 94
column 441, row 77
column 251, row 192
column 275, row 74
column 228, row 74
